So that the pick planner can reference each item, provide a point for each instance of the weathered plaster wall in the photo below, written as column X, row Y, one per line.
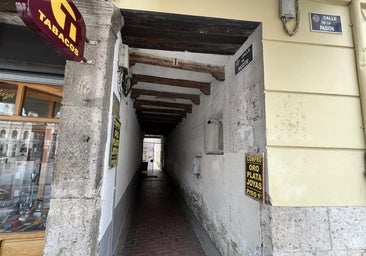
column 217, row 195
column 75, row 210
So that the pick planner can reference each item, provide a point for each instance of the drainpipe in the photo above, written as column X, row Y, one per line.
column 359, row 35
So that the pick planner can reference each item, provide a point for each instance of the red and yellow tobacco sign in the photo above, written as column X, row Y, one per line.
column 58, row 20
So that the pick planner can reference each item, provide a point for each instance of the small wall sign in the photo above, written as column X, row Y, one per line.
column 254, row 180
column 115, row 143
column 244, row 59
column 325, row 23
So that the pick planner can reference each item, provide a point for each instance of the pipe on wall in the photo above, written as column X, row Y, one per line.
column 359, row 35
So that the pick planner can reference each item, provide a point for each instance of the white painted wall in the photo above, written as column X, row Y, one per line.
column 117, row 179
column 217, row 196
column 109, row 174
column 130, row 148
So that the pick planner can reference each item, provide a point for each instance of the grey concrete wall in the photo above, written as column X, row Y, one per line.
column 217, row 196
column 75, row 208
column 318, row 231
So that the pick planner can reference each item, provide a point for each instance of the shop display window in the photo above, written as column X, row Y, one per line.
column 7, row 98
column 26, row 166
column 20, row 100
column 28, row 134
column 38, row 104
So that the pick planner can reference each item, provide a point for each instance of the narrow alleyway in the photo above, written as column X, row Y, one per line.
column 160, row 224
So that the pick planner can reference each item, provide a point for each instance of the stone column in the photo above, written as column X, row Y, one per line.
column 75, row 208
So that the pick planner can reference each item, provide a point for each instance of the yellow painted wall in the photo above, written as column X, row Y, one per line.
column 308, row 177
column 315, row 140
column 308, row 120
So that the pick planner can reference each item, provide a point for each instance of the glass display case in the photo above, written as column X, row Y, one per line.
column 27, row 156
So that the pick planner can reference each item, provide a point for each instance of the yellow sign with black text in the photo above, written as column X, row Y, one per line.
column 254, row 182
column 113, row 161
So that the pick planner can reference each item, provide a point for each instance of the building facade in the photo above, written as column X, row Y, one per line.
column 299, row 103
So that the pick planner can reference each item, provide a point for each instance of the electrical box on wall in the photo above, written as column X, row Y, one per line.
column 287, row 9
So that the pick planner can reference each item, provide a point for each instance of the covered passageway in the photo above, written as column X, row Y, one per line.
column 208, row 127
column 171, row 79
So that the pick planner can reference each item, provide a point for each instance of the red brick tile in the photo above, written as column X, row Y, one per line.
column 158, row 227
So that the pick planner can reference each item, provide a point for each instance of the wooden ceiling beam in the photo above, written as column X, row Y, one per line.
column 180, row 45
column 179, row 35
column 177, row 22
column 150, row 131
column 218, row 72
column 159, row 117
column 182, row 113
column 186, row 107
column 175, row 32
column 157, row 122
column 156, row 125
column 204, row 87
column 135, row 93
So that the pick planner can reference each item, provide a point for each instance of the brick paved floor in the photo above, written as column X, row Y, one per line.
column 158, row 225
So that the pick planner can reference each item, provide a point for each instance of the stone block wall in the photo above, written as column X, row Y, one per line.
column 317, row 231
column 74, row 217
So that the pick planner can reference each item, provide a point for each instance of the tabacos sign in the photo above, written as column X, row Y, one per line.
column 58, row 20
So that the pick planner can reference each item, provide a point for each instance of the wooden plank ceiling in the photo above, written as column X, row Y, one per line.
column 173, row 32
column 161, row 102
column 165, row 98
